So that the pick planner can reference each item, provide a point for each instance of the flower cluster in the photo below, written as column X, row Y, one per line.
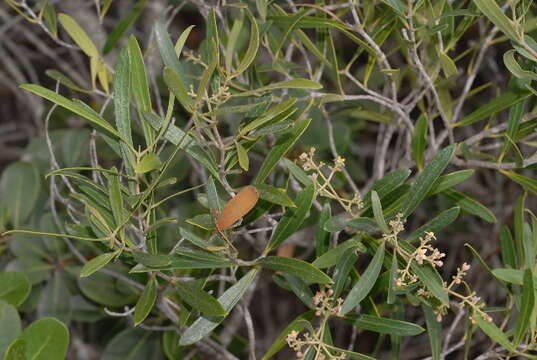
column 425, row 253
column 323, row 175
column 301, row 346
column 325, row 304
column 397, row 225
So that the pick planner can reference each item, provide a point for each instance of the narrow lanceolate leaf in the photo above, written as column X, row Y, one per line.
column 177, row 87
column 123, row 26
column 431, row 280
column 526, row 307
column 494, row 333
column 166, row 49
column 242, row 154
column 297, row 325
column 419, row 141
column 364, row 285
column 180, row 43
column 283, row 145
column 496, row 15
column 79, row 36
column 147, row 163
column 237, row 207
column 526, row 182
column 122, row 86
column 393, row 278
column 447, row 181
column 499, row 103
column 116, row 200
column 251, row 52
column 343, row 267
column 297, row 83
column 470, row 205
column 377, row 211
column 199, row 299
column 427, row 178
column 384, row 325
column 97, row 263
column 88, row 114
column 205, row 324
column 436, row 224
column 434, row 330
column 299, row 268
column 145, row 301
column 293, row 218
column 274, row 195
column 140, row 86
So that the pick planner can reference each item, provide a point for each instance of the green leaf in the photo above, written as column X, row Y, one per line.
column 16, row 350
column 526, row 307
column 340, row 222
column 274, row 195
column 322, row 237
column 10, row 325
column 297, row 83
column 122, row 86
column 79, row 36
column 494, row 333
column 105, row 289
column 116, row 200
column 177, row 87
column 299, row 268
column 81, row 110
column 332, row 256
column 470, row 205
column 180, row 43
column 297, row 286
column 199, row 299
column 133, row 344
column 64, row 80
column 184, row 259
column 297, row 325
column 516, row 114
column 271, row 114
column 393, row 278
column 343, row 266
column 365, row 283
column 513, row 276
column 431, row 280
column 386, row 185
column 253, row 46
column 46, row 339
column 436, row 224
column 166, row 49
column 282, row 146
column 448, row 65
column 434, row 330
column 146, row 301
column 97, row 263
column 514, row 67
column 426, row 179
column 19, row 190
column 526, row 182
column 495, row 14
column 384, row 325
column 508, row 248
column 447, row 181
column 123, row 26
column 55, row 299
column 419, row 141
column 292, row 218
column 15, row 287
column 499, row 103
column 205, row 324
column 149, row 162
column 377, row 211
column 242, row 154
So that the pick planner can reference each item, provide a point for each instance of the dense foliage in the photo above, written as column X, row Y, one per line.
column 262, row 179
